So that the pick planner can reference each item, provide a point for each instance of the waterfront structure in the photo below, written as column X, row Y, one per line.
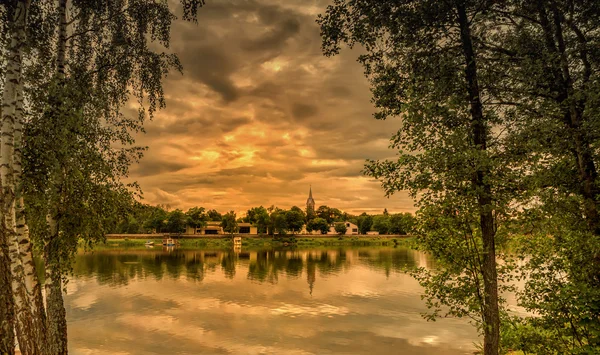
column 214, row 227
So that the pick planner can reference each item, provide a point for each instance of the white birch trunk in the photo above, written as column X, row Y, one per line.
column 30, row 279
column 11, row 98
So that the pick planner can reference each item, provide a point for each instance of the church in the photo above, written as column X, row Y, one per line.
column 351, row 228
column 310, row 203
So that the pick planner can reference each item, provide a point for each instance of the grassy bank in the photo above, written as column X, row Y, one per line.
column 264, row 242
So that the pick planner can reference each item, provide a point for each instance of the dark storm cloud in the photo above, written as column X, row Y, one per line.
column 274, row 39
column 152, row 166
column 300, row 110
column 213, row 67
column 205, row 124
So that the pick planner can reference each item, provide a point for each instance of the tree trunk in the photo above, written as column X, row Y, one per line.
column 29, row 276
column 585, row 163
column 7, row 335
column 573, row 107
column 57, row 319
column 11, row 98
column 56, row 326
column 491, row 314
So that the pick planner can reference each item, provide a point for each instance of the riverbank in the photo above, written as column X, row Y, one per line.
column 225, row 242
column 157, row 236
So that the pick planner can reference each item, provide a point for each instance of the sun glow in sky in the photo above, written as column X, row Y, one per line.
column 260, row 114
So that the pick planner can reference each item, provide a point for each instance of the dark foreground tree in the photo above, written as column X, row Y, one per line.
column 85, row 60
column 552, row 89
column 425, row 65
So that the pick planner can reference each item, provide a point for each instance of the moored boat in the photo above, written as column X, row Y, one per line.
column 169, row 242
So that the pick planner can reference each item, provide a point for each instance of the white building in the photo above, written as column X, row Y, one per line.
column 351, row 229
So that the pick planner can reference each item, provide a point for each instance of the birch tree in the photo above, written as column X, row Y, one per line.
column 100, row 58
column 27, row 323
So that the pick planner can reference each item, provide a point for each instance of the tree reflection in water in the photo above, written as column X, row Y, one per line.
column 118, row 267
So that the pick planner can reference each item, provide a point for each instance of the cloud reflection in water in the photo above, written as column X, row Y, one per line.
column 340, row 301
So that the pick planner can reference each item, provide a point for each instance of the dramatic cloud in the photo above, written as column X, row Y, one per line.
column 260, row 114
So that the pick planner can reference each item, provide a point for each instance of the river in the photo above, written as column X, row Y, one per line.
column 321, row 301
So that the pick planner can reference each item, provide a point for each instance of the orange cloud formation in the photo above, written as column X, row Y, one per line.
column 260, row 114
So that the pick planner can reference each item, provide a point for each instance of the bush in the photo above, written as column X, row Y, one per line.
column 341, row 228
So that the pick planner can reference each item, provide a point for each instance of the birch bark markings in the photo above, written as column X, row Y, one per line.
column 25, row 322
column 20, row 316
column 36, row 330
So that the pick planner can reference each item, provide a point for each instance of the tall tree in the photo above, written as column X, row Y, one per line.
column 278, row 223
column 196, row 217
column 98, row 59
column 552, row 89
column 28, row 309
column 327, row 213
column 318, row 224
column 425, row 66
column 214, row 216
column 381, row 223
column 365, row 222
column 294, row 219
column 176, row 221
column 258, row 216
column 229, row 223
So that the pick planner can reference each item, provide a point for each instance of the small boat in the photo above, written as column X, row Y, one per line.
column 149, row 243
column 169, row 242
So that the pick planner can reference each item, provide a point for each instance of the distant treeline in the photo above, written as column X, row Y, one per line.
column 144, row 218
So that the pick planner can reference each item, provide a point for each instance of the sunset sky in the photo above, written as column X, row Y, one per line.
column 260, row 114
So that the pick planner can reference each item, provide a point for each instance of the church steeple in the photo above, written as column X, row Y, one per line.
column 310, row 202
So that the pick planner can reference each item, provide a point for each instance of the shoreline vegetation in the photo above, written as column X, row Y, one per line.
column 265, row 241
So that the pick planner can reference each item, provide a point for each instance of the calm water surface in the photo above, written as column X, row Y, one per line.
column 337, row 301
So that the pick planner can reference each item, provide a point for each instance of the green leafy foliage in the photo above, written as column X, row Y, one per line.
column 381, row 224
column 364, row 223
column 176, row 221
column 340, row 228
column 329, row 214
column 294, row 219
column 319, row 224
column 402, row 223
column 258, row 216
column 196, row 217
column 214, row 216
column 229, row 223
column 278, row 222
column 426, row 63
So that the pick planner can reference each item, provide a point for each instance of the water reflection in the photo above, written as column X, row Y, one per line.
column 336, row 301
column 119, row 267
